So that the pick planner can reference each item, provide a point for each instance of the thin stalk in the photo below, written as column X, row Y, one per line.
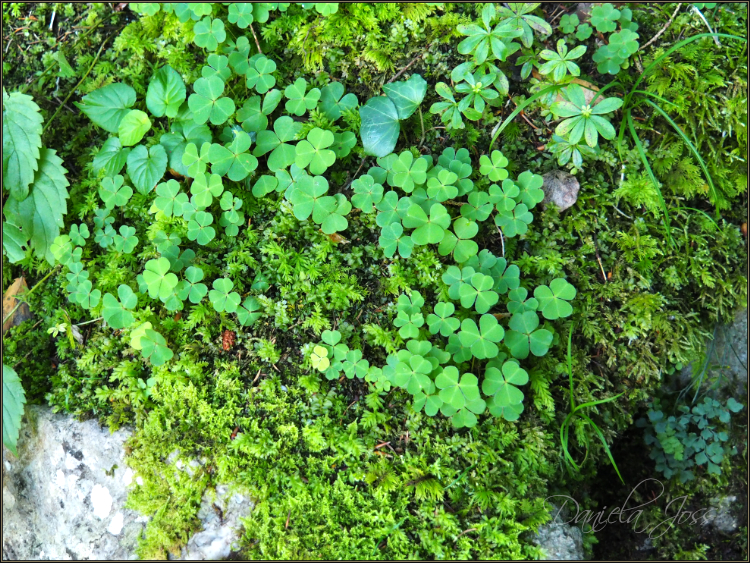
column 520, row 108
column 32, row 290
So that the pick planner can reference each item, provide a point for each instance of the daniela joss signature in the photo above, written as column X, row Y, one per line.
column 595, row 521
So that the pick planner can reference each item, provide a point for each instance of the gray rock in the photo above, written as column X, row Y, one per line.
column 64, row 496
column 583, row 11
column 560, row 188
column 560, row 541
column 720, row 514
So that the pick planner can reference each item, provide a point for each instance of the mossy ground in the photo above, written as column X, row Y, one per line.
column 308, row 451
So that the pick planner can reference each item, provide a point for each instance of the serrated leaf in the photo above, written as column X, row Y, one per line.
column 14, row 399
column 22, row 139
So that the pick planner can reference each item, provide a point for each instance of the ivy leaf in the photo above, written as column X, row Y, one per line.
column 260, row 77
column 208, row 34
column 134, row 125
column 530, row 188
column 408, row 172
column 169, row 199
column 442, row 321
column 154, row 348
column 159, row 280
column 297, row 100
column 459, row 243
column 392, row 238
column 206, row 102
column 379, row 127
column 114, row 193
column 222, row 297
column 514, row 222
column 249, row 311
column 146, row 167
column 333, row 102
column 427, row 230
column 199, row 228
column 40, row 215
column 493, row 166
column 367, row 193
column 233, row 161
column 126, row 241
column 314, row 151
column 524, row 336
column 111, row 157
column 22, row 139
column 116, row 312
column 166, row 93
column 406, row 95
column 482, row 339
column 107, row 106
column 553, row 300
column 14, row 399
column 241, row 14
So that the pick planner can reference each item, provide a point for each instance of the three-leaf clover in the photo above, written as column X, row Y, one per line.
column 624, row 43
column 478, row 207
column 460, row 243
column 319, row 358
column 584, row 119
column 160, row 282
column 169, row 200
column 392, row 238
column 524, row 336
column 154, row 348
column 199, row 228
column 79, row 234
column 481, row 340
column 335, row 220
column 413, row 375
column 207, row 104
column 249, row 311
column 196, row 162
column 553, row 300
column 126, row 241
column 204, row 189
column 518, row 302
column 408, row 172
column 504, row 197
column 314, row 151
column 116, row 312
column 442, row 321
column 283, row 154
column 428, row 229
column 493, row 166
column 568, row 23
column 114, row 193
column 85, row 296
column 308, row 198
column 560, row 63
column 297, row 100
column 514, row 222
column 604, row 18
column 441, row 187
column 222, row 297
column 208, row 33
column 333, row 101
column 241, row 14
column 367, row 193
column 454, row 392
column 530, row 188
column 502, row 385
column 477, row 292
column 584, row 32
column 259, row 75
column 232, row 160
column 191, row 288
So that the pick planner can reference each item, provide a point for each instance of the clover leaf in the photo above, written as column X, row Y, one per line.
column 283, row 154
column 604, row 18
column 466, row 417
column 254, row 115
column 482, row 339
column 478, row 293
column 116, row 312
column 333, row 101
column 241, row 14
column 126, row 241
column 584, row 119
column 524, row 336
column 530, row 186
column 608, row 60
column 408, row 172
column 259, row 75
column 431, row 403
column 335, row 220
column 249, row 311
column 222, row 297
column 114, row 193
column 454, row 277
column 319, row 359
column 454, row 392
column 206, row 102
column 158, row 279
column 478, row 207
column 204, row 189
column 79, row 234
column 392, row 238
column 85, row 296
column 169, row 199
column 388, row 210
column 553, row 299
column 501, row 384
column 428, row 230
column 105, row 237
column 584, row 32
column 154, row 348
column 514, row 222
column 198, row 228
column 460, row 243
column 504, row 198
column 442, row 321
column 208, row 33
column 191, row 288
column 367, row 193
column 314, row 151
column 560, row 63
column 518, row 302
column 353, row 365
column 308, row 198
column 298, row 101
column 408, row 324
column 568, row 23
column 413, row 375
column 624, row 43
column 441, row 187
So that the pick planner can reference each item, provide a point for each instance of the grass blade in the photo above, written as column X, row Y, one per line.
column 606, row 447
column 519, row 109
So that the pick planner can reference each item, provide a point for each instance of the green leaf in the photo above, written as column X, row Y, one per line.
column 199, row 228
column 441, row 187
column 406, row 95
column 309, row 198
column 504, row 198
column 14, row 399
column 428, row 230
column 134, row 125
column 478, row 293
column 146, row 167
column 459, row 243
column 379, row 127
column 502, row 385
column 206, row 102
column 154, row 348
column 22, row 139
column 259, row 75
column 241, row 14
column 13, row 242
column 116, row 312
column 190, row 287
column 367, row 194
column 196, row 163
column 40, row 215
column 111, row 157
column 222, row 297
column 85, row 296
column 208, row 33
column 176, row 142
column 314, row 151
column 482, row 340
column 530, row 188
column 454, row 392
column 494, row 166
column 166, row 93
column 299, row 101
column 442, row 321
column 408, row 172
column 553, row 300
column 125, row 241
column 514, row 222
column 169, row 198
column 249, row 311
column 108, row 105
column 233, row 160
column 392, row 238
column 333, row 101
column 161, row 283
column 413, row 375
column 319, row 359
column 524, row 336
column 114, row 193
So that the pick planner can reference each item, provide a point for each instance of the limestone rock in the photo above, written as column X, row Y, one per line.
column 720, row 514
column 560, row 541
column 560, row 188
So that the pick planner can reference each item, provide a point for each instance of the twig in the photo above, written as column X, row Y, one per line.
column 663, row 29
column 361, row 164
column 289, row 514
column 466, row 532
column 9, row 43
column 411, row 62
column 697, row 11
column 421, row 122
column 502, row 239
column 598, row 259
column 88, row 322
column 257, row 43
column 526, row 119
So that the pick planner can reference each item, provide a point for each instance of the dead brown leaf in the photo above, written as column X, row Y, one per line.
column 18, row 287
